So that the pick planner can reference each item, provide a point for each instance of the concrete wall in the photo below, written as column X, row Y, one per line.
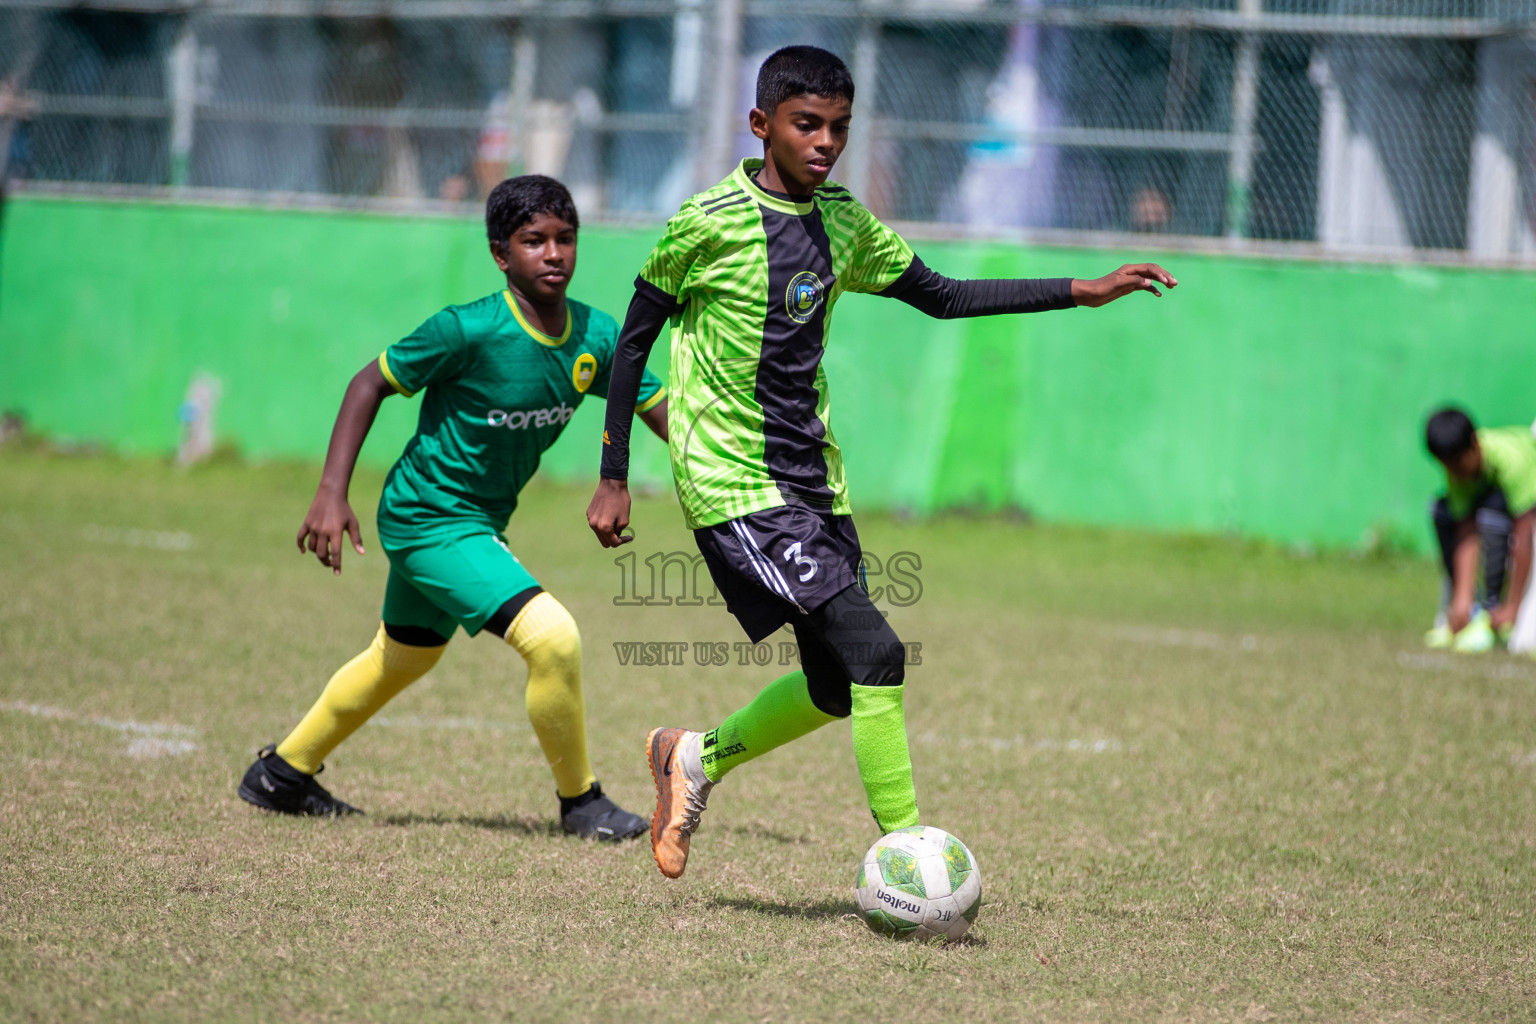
column 1268, row 398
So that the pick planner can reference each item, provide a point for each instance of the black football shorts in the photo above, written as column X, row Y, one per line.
column 773, row 565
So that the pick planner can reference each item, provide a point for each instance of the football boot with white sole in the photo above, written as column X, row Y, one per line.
column 682, row 789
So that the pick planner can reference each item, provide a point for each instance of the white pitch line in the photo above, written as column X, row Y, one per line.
column 163, row 540
column 145, row 739
column 1246, row 643
column 151, row 746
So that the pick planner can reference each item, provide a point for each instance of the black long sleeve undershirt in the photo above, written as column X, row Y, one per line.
column 649, row 312
column 919, row 287
column 945, row 298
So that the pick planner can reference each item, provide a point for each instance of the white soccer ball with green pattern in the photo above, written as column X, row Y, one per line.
column 919, row 883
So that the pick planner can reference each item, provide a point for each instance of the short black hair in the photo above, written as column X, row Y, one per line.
column 1449, row 433
column 516, row 201
column 797, row 70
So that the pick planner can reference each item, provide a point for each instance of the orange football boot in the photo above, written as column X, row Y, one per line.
column 681, row 791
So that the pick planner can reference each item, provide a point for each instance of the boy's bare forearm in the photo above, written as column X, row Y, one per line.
column 1520, row 571
column 656, row 418
column 359, row 406
column 330, row 517
column 1464, row 565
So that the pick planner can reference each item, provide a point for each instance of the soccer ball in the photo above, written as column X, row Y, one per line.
column 919, row 883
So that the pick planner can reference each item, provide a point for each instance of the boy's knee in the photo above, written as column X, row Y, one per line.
column 545, row 633
column 829, row 691
column 408, row 654
column 886, row 667
column 561, row 648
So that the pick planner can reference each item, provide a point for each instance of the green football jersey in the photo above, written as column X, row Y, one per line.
column 498, row 393
column 755, row 278
column 1509, row 463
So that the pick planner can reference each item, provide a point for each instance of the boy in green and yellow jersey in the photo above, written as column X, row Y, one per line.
column 500, row 378
column 747, row 273
column 1486, row 515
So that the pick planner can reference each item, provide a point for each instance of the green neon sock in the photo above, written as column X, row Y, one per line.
column 880, row 747
column 781, row 712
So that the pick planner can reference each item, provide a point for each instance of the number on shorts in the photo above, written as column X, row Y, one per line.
column 804, row 563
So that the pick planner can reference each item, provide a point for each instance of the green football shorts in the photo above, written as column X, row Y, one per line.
column 441, row 583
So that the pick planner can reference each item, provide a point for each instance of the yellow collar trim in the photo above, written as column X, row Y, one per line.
column 743, row 176
column 533, row 332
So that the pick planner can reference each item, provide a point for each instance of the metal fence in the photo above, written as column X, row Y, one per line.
column 1355, row 126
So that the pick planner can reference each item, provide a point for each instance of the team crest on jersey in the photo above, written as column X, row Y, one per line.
column 803, row 296
column 583, row 372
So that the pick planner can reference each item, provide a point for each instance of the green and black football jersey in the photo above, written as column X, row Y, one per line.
column 498, row 394
column 755, row 277
column 1509, row 463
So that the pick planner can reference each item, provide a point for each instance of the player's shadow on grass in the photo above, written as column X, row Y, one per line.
column 754, row 830
column 828, row 910
column 822, row 910
column 528, row 826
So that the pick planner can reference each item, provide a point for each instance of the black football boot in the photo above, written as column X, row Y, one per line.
column 593, row 816
column 274, row 784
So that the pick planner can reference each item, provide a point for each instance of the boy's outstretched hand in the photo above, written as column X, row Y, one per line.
column 329, row 519
column 608, row 515
column 1133, row 277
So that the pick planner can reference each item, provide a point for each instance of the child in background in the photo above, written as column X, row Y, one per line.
column 1484, row 516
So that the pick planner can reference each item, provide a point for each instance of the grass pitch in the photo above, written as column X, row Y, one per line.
column 1204, row 781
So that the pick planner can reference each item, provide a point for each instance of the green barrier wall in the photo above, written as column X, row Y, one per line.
column 1275, row 399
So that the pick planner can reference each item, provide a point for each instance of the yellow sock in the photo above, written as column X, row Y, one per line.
column 357, row 690
column 545, row 635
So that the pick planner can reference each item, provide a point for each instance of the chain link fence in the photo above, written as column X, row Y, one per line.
column 1355, row 126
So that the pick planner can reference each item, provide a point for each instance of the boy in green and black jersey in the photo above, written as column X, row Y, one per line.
column 747, row 273
column 500, row 378
column 1486, row 514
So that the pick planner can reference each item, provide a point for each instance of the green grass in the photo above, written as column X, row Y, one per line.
column 1205, row 780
